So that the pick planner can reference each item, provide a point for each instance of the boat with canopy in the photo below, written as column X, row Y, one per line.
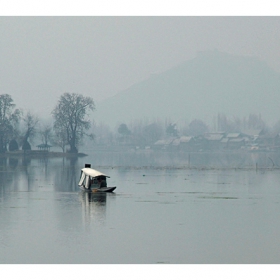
column 92, row 180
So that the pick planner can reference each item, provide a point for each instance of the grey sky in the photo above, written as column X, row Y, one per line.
column 43, row 57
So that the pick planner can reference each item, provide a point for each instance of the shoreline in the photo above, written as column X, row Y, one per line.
column 38, row 154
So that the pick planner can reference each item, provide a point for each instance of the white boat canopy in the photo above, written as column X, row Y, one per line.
column 87, row 173
column 93, row 173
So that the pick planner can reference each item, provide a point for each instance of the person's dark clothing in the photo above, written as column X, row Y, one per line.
column 103, row 184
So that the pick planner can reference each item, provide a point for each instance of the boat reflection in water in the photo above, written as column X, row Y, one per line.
column 95, row 197
column 93, row 207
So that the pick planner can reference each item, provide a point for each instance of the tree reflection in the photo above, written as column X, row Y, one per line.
column 13, row 162
column 65, row 175
column 73, row 175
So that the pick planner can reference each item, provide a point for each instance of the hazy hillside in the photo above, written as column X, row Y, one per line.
column 212, row 83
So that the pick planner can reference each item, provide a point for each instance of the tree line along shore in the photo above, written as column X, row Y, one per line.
column 71, row 123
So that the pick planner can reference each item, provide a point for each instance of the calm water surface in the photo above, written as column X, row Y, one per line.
column 156, row 215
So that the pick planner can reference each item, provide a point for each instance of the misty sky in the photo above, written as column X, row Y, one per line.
column 43, row 57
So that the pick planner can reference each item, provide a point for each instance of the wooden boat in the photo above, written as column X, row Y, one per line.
column 95, row 190
column 92, row 180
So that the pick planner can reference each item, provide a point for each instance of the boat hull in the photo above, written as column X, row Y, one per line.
column 98, row 190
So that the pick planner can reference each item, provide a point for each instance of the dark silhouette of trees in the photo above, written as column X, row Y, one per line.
column 172, row 130
column 197, row 128
column 60, row 138
column 124, row 132
column 276, row 127
column 13, row 145
column 254, row 121
column 30, row 122
column 46, row 134
column 123, row 129
column 71, row 122
column 152, row 133
column 103, row 134
column 9, row 119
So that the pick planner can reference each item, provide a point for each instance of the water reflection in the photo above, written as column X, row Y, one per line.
column 26, row 161
column 13, row 162
column 98, row 198
column 33, row 174
column 62, row 174
column 156, row 215
column 93, row 207
column 66, row 177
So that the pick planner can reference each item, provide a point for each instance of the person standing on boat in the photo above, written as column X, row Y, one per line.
column 102, row 182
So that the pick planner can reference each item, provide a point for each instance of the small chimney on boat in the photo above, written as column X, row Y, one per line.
column 87, row 165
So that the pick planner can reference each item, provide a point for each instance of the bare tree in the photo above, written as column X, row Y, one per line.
column 255, row 122
column 30, row 122
column 60, row 139
column 9, row 120
column 103, row 134
column 46, row 134
column 71, row 122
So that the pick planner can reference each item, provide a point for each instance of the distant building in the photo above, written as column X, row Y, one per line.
column 220, row 141
column 163, row 144
column 187, row 143
column 236, row 143
column 268, row 142
column 214, row 140
column 233, row 141
column 253, row 133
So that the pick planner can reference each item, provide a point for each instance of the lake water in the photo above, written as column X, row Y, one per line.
column 158, row 213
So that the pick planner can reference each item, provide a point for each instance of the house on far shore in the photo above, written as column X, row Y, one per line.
column 253, row 133
column 187, row 143
column 233, row 141
column 250, row 140
column 214, row 140
column 268, row 142
column 163, row 144
column 259, row 140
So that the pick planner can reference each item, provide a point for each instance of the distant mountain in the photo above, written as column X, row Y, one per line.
column 212, row 83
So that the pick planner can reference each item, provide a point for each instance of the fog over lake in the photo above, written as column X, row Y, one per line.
column 183, row 114
column 102, row 57
column 157, row 214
